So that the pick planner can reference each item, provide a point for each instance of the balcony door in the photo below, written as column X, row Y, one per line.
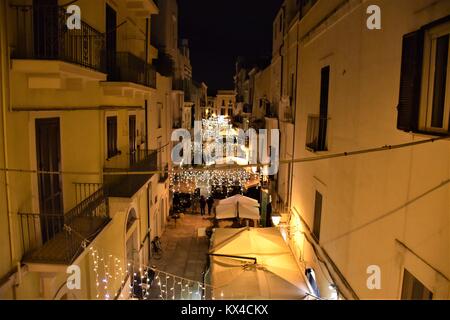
column 111, row 40
column 132, row 137
column 48, row 152
column 45, row 26
column 324, row 97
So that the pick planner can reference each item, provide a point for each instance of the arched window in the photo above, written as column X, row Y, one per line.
column 132, row 217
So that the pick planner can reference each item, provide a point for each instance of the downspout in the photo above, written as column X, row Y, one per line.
column 294, row 113
column 5, row 65
column 149, row 191
column 146, row 101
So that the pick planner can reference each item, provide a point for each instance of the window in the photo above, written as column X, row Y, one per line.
column 111, row 133
column 317, row 215
column 424, row 104
column 159, row 115
column 413, row 289
column 292, row 90
column 437, row 104
column 281, row 23
column 316, row 135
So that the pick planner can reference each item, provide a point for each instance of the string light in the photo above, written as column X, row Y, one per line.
column 166, row 284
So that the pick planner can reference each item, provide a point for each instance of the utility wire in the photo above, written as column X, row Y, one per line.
column 235, row 166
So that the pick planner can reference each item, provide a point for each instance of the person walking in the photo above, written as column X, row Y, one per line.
column 210, row 202
column 202, row 205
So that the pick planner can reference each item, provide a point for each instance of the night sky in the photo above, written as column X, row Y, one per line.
column 221, row 30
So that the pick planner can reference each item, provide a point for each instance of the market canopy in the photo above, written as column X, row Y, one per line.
column 239, row 199
column 238, row 206
column 254, row 263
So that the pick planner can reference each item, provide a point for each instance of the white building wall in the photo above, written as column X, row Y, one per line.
column 372, row 200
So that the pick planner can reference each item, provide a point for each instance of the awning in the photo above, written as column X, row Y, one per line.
column 273, row 274
column 238, row 206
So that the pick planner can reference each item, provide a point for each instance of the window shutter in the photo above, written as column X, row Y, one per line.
column 410, row 81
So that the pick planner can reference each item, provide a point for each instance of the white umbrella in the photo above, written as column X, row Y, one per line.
column 239, row 199
column 273, row 274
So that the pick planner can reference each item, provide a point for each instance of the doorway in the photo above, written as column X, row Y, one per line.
column 48, row 152
column 111, row 40
column 132, row 138
column 45, row 26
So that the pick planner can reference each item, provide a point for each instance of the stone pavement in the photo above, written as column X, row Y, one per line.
column 184, row 254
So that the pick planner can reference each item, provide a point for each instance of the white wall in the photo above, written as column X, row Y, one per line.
column 371, row 200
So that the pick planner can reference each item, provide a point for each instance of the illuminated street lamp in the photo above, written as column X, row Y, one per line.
column 276, row 219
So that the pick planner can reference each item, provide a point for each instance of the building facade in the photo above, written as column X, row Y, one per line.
column 226, row 103
column 79, row 107
column 382, row 214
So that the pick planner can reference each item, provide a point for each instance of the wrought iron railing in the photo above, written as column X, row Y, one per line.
column 127, row 67
column 41, row 32
column 164, row 175
column 59, row 238
column 316, row 134
column 186, row 86
column 84, row 190
column 134, row 167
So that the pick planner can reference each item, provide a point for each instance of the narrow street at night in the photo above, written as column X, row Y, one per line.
column 224, row 159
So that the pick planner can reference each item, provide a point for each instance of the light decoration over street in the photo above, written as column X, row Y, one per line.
column 187, row 180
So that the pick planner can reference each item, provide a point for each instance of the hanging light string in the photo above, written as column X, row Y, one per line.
column 167, row 283
column 237, row 166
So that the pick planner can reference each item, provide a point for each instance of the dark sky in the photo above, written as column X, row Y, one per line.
column 221, row 30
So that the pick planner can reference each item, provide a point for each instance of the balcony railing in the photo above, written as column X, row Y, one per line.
column 165, row 175
column 127, row 67
column 84, row 190
column 316, row 134
column 134, row 167
column 59, row 238
column 40, row 32
column 186, row 86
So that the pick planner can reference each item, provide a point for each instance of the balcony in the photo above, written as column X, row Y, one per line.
column 58, row 238
column 316, row 133
column 125, row 175
column 165, row 175
column 129, row 76
column 142, row 8
column 186, row 86
column 129, row 68
column 40, row 33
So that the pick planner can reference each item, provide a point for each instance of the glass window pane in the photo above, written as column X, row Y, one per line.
column 440, row 82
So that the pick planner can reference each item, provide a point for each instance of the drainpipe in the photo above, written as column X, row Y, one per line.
column 5, row 66
column 294, row 116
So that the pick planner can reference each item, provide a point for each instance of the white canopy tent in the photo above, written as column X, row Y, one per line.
column 238, row 206
column 254, row 263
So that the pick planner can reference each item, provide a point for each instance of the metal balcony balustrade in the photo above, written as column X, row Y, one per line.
column 126, row 67
column 41, row 33
column 316, row 133
column 165, row 175
column 126, row 184
column 186, row 86
column 58, row 238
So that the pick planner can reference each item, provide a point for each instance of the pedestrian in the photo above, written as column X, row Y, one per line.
column 210, row 202
column 202, row 205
